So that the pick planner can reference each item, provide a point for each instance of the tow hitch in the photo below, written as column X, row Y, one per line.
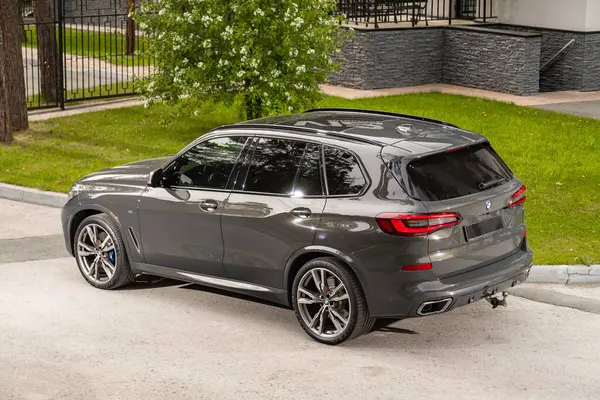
column 495, row 301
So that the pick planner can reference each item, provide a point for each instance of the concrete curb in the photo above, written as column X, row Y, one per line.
column 565, row 274
column 33, row 196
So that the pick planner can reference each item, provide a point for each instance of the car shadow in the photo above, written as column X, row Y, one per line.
column 233, row 295
column 383, row 325
column 151, row 282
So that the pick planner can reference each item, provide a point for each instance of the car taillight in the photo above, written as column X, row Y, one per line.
column 518, row 198
column 416, row 224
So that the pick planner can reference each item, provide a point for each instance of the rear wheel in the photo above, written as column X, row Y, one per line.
column 329, row 302
column 100, row 253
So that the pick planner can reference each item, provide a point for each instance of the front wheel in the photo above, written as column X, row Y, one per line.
column 329, row 302
column 100, row 253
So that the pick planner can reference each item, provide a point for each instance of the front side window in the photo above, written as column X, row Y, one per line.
column 344, row 176
column 274, row 165
column 208, row 164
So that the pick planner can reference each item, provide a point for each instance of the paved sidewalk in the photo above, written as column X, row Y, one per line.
column 590, row 109
column 43, row 115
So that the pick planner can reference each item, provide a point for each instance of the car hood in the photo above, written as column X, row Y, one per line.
column 135, row 173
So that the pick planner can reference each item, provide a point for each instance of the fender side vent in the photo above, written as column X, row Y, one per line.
column 134, row 239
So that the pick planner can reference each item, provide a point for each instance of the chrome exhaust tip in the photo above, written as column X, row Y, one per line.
column 434, row 307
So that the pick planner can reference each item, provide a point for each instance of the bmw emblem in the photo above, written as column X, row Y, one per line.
column 488, row 205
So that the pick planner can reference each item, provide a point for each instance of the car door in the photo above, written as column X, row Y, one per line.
column 180, row 222
column 274, row 210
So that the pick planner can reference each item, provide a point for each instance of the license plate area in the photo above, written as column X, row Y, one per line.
column 483, row 228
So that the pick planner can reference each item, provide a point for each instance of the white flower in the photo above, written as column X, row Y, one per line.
column 300, row 69
column 311, row 51
column 265, row 94
column 243, row 50
column 206, row 44
column 290, row 108
column 293, row 52
column 219, row 18
column 162, row 11
column 196, row 113
column 196, row 85
column 241, row 73
column 268, row 103
column 298, row 22
column 271, row 84
column 275, row 73
column 254, row 63
column 184, row 61
column 146, row 105
column 200, row 64
column 260, row 12
column 234, row 7
column 287, row 95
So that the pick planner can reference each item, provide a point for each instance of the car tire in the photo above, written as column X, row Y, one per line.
column 97, row 275
column 350, row 311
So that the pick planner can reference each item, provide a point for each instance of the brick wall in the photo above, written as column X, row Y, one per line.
column 492, row 59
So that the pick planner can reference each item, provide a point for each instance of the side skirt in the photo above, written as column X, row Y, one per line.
column 262, row 292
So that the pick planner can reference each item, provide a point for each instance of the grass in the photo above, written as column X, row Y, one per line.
column 109, row 47
column 555, row 155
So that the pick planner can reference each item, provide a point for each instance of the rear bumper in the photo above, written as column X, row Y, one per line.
column 461, row 289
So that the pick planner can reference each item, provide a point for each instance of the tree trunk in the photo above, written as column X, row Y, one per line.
column 5, row 124
column 130, row 33
column 46, row 47
column 10, row 28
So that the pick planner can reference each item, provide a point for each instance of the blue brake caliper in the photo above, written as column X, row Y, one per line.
column 111, row 256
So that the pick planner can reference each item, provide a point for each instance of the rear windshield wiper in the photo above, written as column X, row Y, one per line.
column 493, row 182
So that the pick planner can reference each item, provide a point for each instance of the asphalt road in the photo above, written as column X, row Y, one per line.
column 62, row 339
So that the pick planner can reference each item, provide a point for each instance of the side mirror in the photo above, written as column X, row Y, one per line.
column 155, row 178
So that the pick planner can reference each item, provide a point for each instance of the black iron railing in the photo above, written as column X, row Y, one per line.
column 376, row 12
column 92, row 55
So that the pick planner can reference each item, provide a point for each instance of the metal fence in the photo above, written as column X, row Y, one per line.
column 75, row 50
column 376, row 12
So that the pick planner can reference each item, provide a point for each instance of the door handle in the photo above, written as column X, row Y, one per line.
column 301, row 212
column 209, row 205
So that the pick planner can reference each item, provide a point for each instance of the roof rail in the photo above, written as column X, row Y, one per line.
column 300, row 129
column 391, row 114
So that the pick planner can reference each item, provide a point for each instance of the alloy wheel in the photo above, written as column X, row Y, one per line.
column 96, row 253
column 324, row 303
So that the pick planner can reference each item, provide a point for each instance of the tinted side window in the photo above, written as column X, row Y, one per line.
column 208, row 164
column 274, row 165
column 309, row 182
column 344, row 176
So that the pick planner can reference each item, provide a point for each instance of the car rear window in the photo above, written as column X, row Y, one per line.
column 458, row 173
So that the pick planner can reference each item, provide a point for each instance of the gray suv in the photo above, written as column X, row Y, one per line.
column 345, row 215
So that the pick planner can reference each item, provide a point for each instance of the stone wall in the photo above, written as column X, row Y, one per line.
column 492, row 59
column 591, row 62
column 577, row 68
column 383, row 58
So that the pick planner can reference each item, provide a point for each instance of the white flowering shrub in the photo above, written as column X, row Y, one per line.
column 272, row 53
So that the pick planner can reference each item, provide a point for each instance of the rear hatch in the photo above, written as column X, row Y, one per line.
column 474, row 182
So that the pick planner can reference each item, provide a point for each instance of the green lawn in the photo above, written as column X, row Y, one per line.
column 109, row 47
column 557, row 156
